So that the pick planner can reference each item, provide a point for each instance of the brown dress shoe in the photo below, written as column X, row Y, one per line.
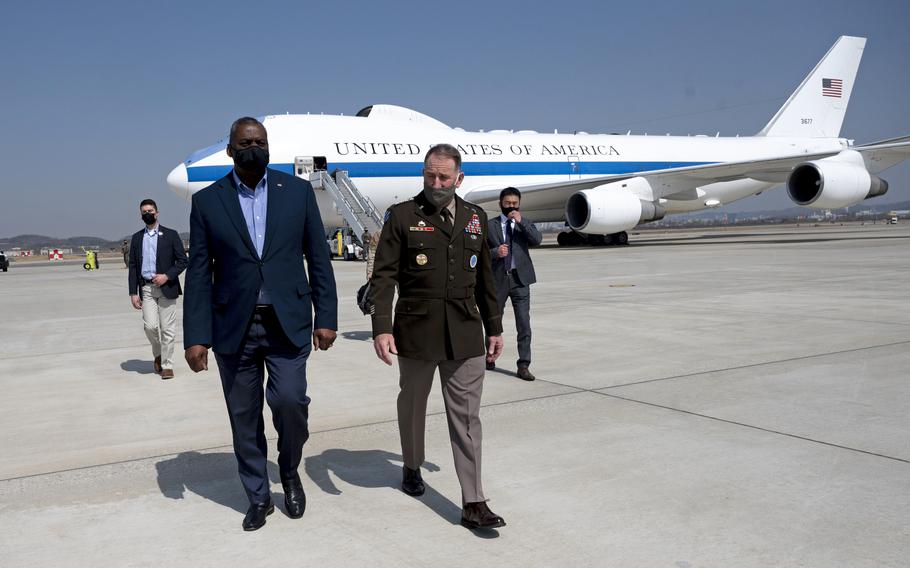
column 158, row 364
column 479, row 516
column 524, row 374
column 167, row 373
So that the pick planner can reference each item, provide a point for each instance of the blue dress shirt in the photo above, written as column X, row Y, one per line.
column 150, row 252
column 253, row 204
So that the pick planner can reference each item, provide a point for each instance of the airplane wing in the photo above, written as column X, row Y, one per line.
column 679, row 183
column 882, row 155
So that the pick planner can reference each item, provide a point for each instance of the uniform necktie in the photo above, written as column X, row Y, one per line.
column 447, row 215
column 509, row 243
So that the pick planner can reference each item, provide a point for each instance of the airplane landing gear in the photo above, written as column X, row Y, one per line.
column 570, row 239
column 574, row 239
column 620, row 238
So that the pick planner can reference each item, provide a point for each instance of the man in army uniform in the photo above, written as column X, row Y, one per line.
column 433, row 248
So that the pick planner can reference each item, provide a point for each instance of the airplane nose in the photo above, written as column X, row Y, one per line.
column 179, row 182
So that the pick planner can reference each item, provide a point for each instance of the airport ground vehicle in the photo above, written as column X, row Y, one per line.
column 4, row 262
column 91, row 260
column 892, row 221
column 342, row 243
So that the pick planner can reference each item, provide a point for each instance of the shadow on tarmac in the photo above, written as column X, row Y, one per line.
column 212, row 476
column 377, row 469
column 358, row 335
column 138, row 366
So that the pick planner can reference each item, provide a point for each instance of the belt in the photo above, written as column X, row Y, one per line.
column 147, row 281
column 439, row 293
column 260, row 308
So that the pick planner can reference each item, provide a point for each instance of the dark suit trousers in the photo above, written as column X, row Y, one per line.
column 266, row 345
column 521, row 305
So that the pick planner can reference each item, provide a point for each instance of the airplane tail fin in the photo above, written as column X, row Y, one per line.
column 817, row 108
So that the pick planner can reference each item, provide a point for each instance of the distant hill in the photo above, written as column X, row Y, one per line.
column 793, row 212
column 38, row 242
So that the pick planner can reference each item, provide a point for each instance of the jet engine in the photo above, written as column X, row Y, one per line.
column 611, row 208
column 831, row 183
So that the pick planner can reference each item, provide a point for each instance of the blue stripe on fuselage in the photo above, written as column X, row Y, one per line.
column 414, row 169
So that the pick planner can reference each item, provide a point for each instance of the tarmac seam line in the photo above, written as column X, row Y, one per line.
column 749, row 366
column 752, row 426
column 575, row 390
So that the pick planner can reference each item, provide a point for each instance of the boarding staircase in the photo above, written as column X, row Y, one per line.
column 356, row 208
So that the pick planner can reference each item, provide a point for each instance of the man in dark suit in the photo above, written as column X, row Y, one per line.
column 156, row 259
column 249, row 299
column 509, row 237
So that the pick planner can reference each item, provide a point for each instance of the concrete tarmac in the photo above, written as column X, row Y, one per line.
column 706, row 398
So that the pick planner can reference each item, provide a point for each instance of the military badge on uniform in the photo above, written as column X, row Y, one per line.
column 422, row 227
column 421, row 259
column 473, row 261
column 474, row 226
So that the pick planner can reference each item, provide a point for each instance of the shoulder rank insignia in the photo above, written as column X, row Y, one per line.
column 474, row 226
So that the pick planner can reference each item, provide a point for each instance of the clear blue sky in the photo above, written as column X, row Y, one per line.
column 102, row 99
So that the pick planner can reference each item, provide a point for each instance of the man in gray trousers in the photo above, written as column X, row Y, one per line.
column 509, row 237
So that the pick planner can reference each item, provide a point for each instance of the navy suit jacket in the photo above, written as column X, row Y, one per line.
column 524, row 234
column 225, row 273
column 171, row 261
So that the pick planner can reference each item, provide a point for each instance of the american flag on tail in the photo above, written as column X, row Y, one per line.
column 832, row 88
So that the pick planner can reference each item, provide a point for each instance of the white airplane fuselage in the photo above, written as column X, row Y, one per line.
column 384, row 158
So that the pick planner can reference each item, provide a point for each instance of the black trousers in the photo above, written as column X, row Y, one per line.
column 266, row 347
column 521, row 304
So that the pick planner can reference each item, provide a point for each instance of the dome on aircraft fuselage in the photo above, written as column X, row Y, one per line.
column 395, row 112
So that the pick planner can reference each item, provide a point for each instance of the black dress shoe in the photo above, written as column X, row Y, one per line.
column 490, row 366
column 294, row 497
column 256, row 514
column 479, row 516
column 524, row 374
column 411, row 482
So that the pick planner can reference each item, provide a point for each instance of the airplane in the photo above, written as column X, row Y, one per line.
column 600, row 185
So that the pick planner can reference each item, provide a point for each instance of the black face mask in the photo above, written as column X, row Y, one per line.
column 148, row 218
column 507, row 210
column 253, row 159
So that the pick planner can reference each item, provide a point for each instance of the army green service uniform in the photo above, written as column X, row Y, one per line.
column 446, row 300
